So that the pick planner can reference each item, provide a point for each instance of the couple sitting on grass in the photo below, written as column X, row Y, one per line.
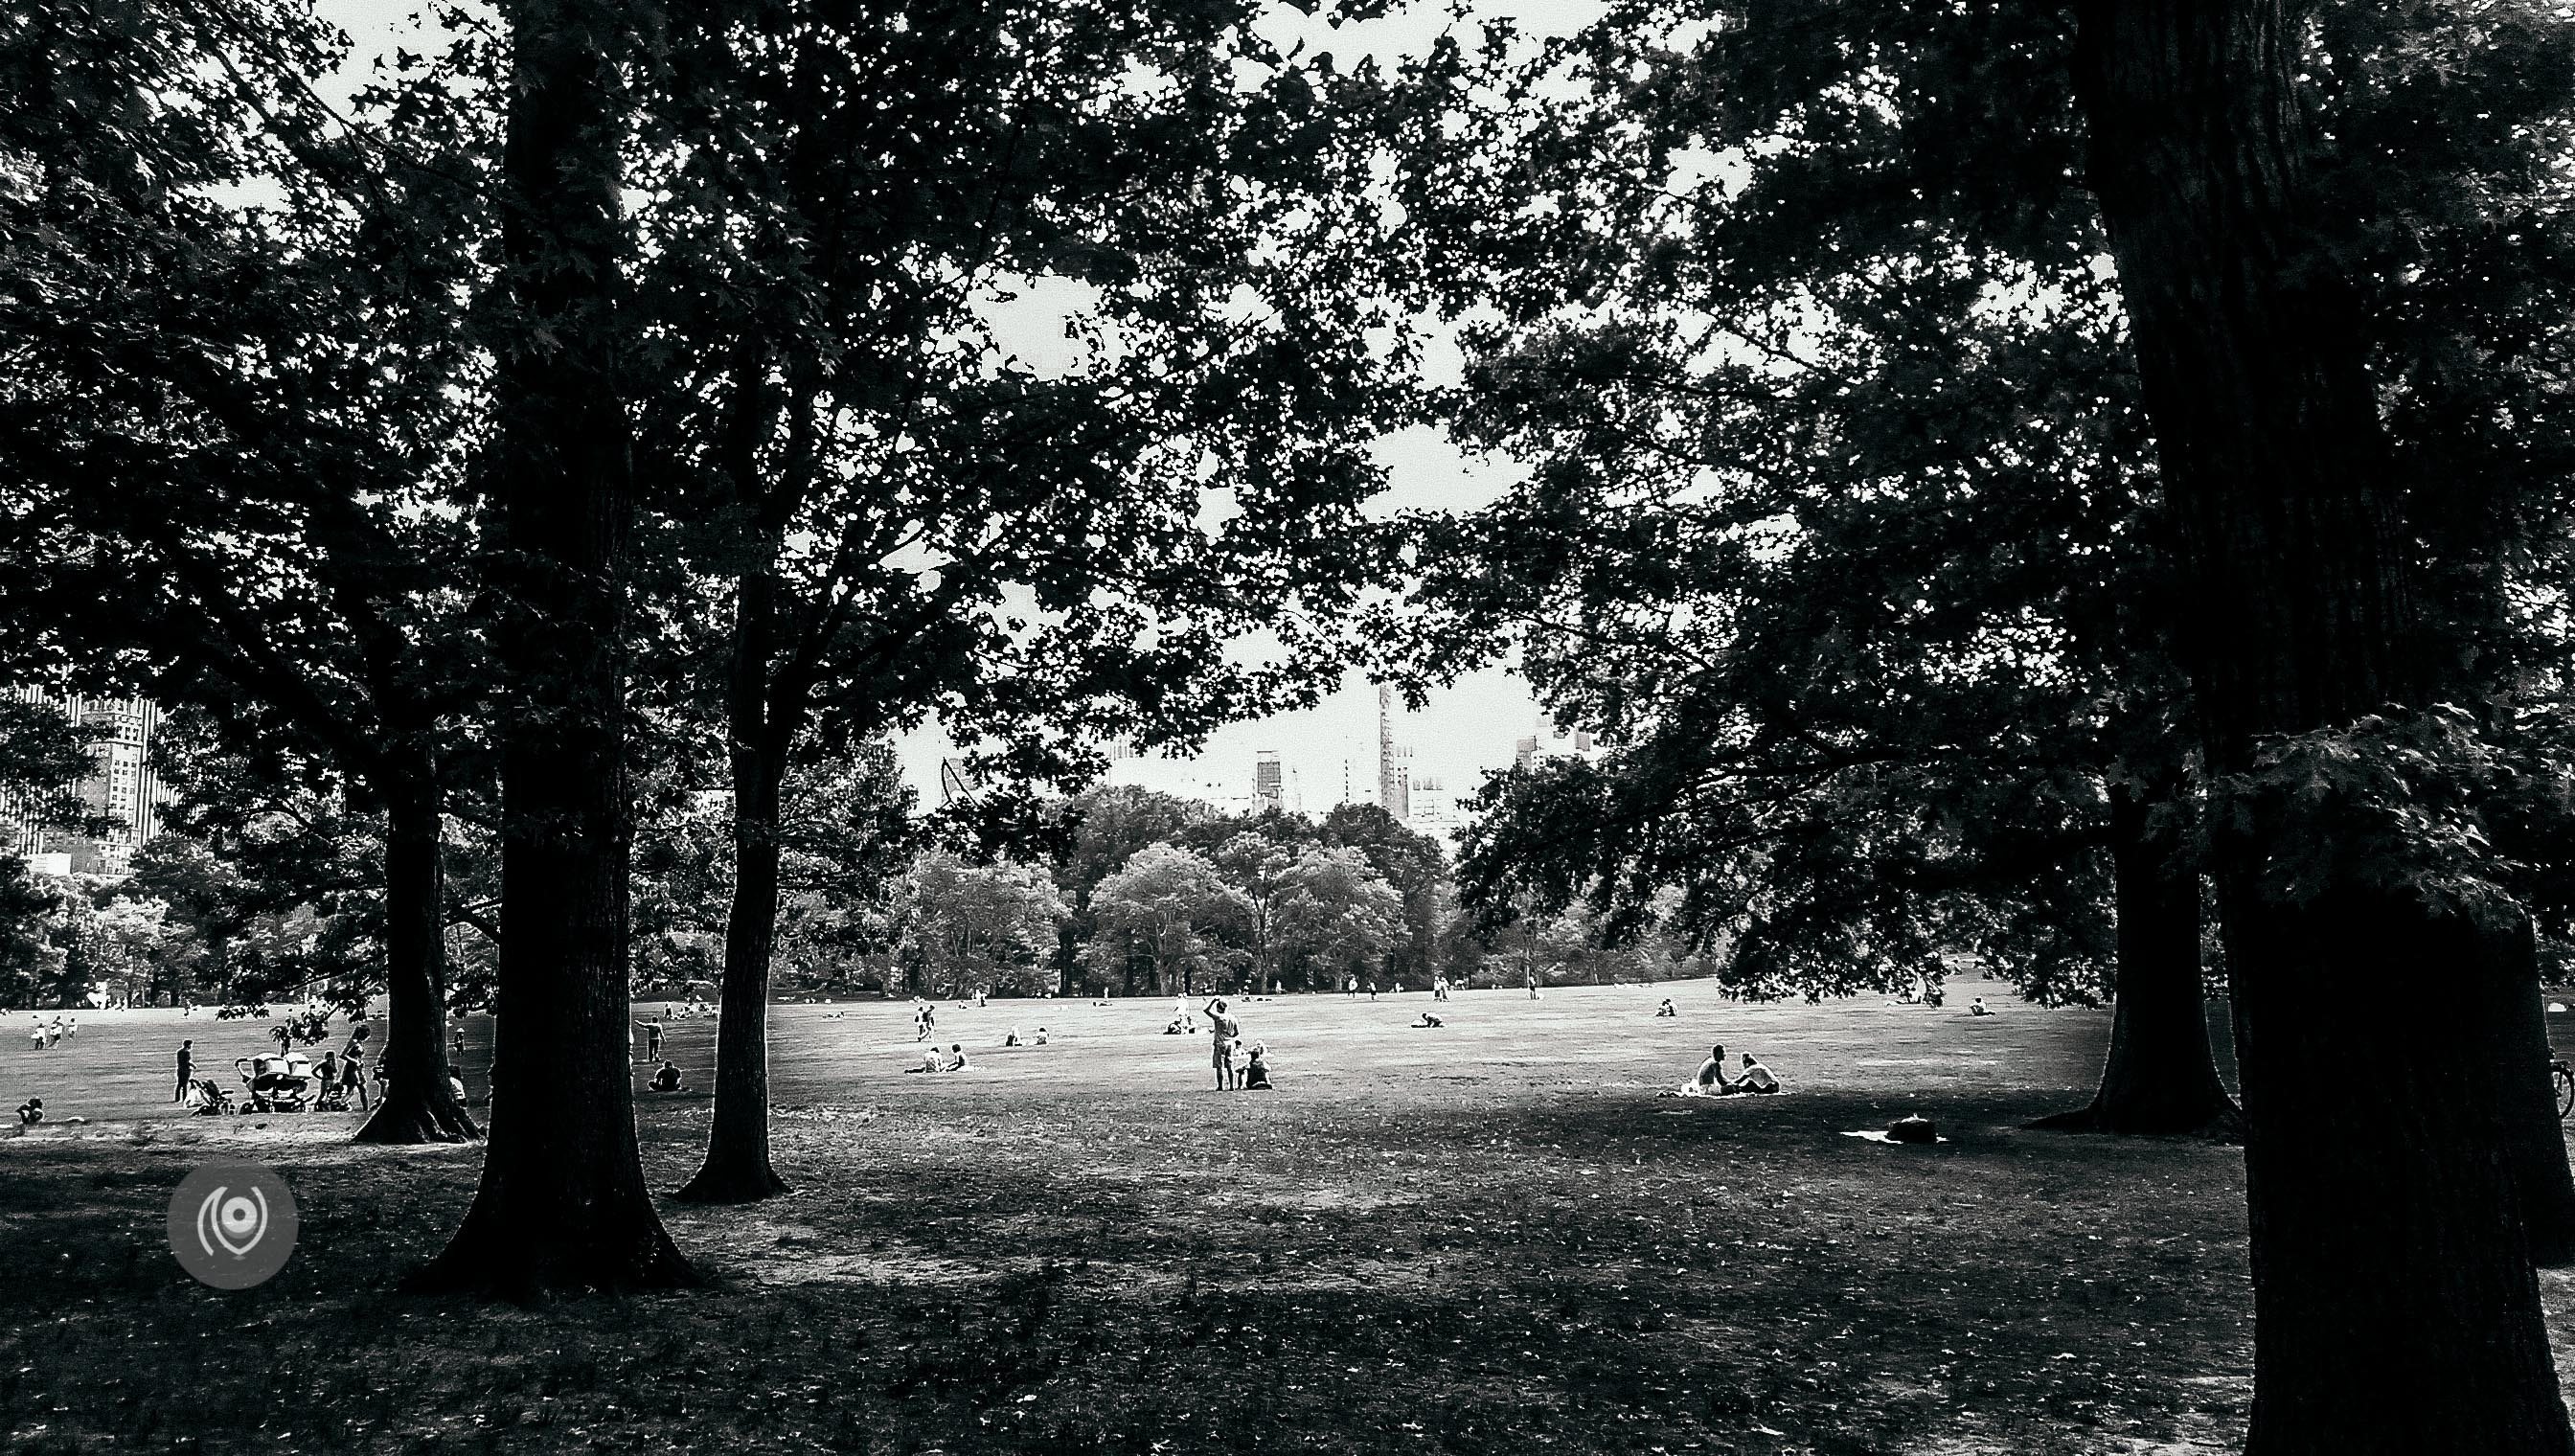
column 934, row 1060
column 1710, row 1079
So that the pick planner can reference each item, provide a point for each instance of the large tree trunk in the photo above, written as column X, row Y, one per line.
column 2515, row 1082
column 2160, row 1076
column 563, row 1203
column 737, row 1168
column 2395, row 1307
column 417, row 1106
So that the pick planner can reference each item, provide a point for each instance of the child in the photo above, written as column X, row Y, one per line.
column 31, row 1112
column 1255, row 1076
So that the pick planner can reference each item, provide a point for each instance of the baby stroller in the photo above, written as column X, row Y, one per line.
column 207, row 1098
column 276, row 1083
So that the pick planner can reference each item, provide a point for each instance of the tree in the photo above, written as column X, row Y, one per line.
column 2320, row 328
column 236, row 424
column 900, row 513
column 1339, row 918
column 1412, row 864
column 1096, row 832
column 968, row 926
column 1792, row 541
column 1163, row 909
column 1262, row 871
column 562, row 1203
column 2246, row 318
column 43, row 754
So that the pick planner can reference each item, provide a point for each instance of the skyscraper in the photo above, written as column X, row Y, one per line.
column 1265, row 783
column 1392, row 789
column 122, row 786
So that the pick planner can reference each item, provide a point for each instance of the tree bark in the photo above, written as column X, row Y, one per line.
column 417, row 1106
column 2396, row 1306
column 737, row 1167
column 562, row 1205
column 2515, row 1082
column 2159, row 1076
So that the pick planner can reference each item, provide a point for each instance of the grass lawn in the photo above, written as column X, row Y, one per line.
column 1489, row 1237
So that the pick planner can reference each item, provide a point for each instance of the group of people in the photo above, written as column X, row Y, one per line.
column 48, row 1033
column 1710, row 1079
column 1237, row 1067
column 335, row 1081
column 951, row 1060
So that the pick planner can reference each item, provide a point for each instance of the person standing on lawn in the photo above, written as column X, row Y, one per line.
column 352, row 1067
column 1223, row 1029
column 187, row 1070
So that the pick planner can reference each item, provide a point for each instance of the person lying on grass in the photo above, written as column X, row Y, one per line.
column 1755, row 1077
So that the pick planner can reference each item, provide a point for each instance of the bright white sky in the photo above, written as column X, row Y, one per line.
column 1463, row 731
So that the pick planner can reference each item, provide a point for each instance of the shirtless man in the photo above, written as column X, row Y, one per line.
column 1710, row 1080
column 1223, row 1030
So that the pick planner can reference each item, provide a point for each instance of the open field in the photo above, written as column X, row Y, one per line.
column 1490, row 1237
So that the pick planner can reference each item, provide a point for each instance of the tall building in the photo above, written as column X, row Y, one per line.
column 1266, row 784
column 122, row 786
column 1392, row 771
column 1554, row 742
column 1434, row 805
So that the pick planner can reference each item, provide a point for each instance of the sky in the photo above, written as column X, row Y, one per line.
column 1463, row 731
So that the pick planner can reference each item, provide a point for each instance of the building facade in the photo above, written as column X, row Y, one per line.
column 123, row 788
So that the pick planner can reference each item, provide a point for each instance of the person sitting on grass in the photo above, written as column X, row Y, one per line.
column 1013, row 1039
column 31, row 1112
column 1755, row 1077
column 1171, row 1027
column 1710, row 1080
column 1667, row 1008
column 1256, row 1072
column 956, row 1058
column 929, row 1060
column 667, row 1078
column 1977, row 1008
column 1428, row 1021
column 1041, row 1037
